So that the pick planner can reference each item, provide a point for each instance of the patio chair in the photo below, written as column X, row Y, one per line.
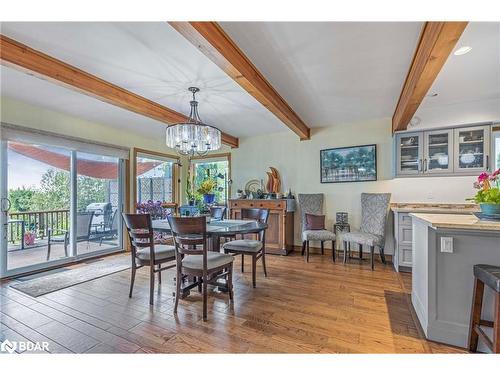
column 110, row 229
column 83, row 227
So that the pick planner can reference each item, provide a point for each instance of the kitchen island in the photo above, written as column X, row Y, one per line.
column 445, row 248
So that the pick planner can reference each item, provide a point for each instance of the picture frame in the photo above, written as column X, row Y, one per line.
column 348, row 164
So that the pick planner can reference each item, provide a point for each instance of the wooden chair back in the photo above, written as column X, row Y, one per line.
column 217, row 213
column 258, row 214
column 140, row 232
column 188, row 232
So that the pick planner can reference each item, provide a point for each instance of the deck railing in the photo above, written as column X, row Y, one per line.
column 38, row 222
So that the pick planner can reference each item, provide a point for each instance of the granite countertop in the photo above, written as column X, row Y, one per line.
column 459, row 208
column 455, row 221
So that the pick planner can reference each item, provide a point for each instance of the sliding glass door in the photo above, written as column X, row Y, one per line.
column 57, row 204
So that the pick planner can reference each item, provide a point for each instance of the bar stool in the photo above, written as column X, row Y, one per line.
column 489, row 275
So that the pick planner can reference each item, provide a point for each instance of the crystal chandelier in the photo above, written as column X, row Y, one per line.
column 193, row 137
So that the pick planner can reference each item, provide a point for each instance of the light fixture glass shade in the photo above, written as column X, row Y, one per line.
column 192, row 138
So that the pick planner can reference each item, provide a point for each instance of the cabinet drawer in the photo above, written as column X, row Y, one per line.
column 270, row 205
column 404, row 219
column 405, row 256
column 405, row 235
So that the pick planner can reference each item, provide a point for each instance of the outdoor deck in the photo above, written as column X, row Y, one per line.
column 37, row 253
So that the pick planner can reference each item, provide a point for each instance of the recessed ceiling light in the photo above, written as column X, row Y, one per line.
column 462, row 50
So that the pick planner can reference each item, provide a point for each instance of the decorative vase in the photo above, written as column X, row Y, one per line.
column 208, row 198
column 490, row 208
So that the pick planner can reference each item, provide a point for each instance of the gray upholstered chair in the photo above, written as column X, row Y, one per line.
column 313, row 204
column 374, row 212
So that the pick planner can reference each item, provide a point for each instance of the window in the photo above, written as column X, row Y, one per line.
column 155, row 176
column 62, row 199
column 216, row 167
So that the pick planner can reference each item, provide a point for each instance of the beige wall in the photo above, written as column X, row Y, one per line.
column 298, row 164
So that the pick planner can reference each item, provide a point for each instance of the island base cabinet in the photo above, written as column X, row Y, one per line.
column 279, row 234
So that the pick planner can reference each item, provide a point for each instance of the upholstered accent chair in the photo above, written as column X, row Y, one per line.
column 313, row 204
column 374, row 212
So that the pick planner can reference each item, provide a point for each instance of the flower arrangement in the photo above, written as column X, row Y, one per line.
column 157, row 210
column 488, row 188
column 207, row 186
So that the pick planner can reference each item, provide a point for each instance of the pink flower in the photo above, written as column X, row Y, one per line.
column 496, row 173
column 483, row 177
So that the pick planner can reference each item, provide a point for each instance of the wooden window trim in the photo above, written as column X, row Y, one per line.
column 133, row 179
column 200, row 159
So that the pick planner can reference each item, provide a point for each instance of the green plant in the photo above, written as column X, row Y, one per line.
column 488, row 188
column 207, row 186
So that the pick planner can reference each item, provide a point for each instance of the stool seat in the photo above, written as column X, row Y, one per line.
column 488, row 274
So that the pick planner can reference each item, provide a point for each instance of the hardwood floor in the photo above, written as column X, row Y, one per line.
column 315, row 307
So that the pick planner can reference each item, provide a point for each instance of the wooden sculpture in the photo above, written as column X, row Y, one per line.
column 273, row 181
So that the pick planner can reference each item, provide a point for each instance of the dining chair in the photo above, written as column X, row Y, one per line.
column 145, row 252
column 217, row 212
column 313, row 204
column 374, row 212
column 83, row 233
column 190, row 233
column 255, row 248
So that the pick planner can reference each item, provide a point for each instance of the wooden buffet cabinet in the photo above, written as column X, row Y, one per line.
column 279, row 235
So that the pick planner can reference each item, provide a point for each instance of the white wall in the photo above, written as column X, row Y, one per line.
column 298, row 163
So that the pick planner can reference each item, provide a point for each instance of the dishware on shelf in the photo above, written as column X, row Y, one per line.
column 467, row 158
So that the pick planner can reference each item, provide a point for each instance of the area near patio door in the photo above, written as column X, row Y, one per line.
column 58, row 203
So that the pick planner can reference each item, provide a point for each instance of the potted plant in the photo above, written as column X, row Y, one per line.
column 488, row 194
column 206, row 189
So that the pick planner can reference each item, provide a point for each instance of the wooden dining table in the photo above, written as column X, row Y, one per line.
column 215, row 230
column 219, row 228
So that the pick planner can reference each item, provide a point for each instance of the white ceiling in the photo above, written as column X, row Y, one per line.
column 150, row 59
column 468, row 86
column 331, row 72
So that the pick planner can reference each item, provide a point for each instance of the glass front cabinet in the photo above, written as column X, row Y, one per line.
column 462, row 150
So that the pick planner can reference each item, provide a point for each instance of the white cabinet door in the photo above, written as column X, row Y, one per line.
column 438, row 155
column 409, row 148
column 472, row 149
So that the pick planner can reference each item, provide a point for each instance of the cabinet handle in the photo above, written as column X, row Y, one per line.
column 425, row 165
column 487, row 162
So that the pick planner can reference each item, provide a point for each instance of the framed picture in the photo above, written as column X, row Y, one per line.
column 349, row 164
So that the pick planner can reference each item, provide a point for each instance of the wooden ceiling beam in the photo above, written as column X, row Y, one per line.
column 213, row 42
column 437, row 41
column 21, row 57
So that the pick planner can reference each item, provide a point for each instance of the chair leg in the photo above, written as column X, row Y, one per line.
column 132, row 280
column 360, row 248
column 307, row 251
column 178, row 281
column 264, row 262
column 382, row 255
column 205, row 297
column 254, row 270
column 475, row 315
column 242, row 263
column 303, row 248
column 322, row 248
column 159, row 274
column 372, row 252
column 198, row 279
column 345, row 252
column 48, row 250
column 333, row 251
column 230, row 282
column 151, row 283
